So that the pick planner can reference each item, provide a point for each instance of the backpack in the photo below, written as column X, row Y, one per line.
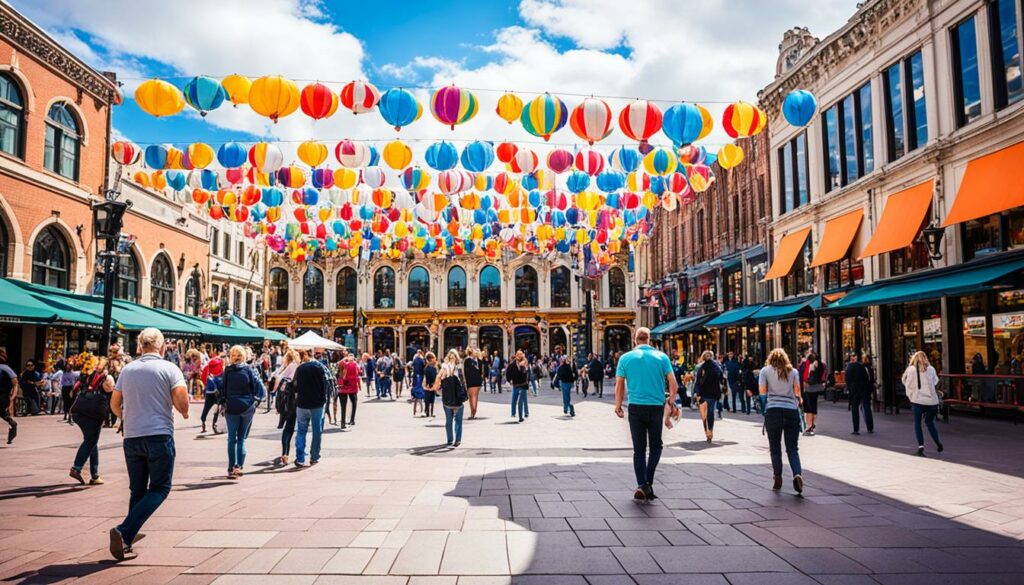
column 91, row 401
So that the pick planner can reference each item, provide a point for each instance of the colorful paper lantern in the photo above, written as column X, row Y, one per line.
column 591, row 120
column 198, row 155
column 124, row 152
column 509, row 107
column 204, row 94
column 318, row 101
column 359, row 96
column 589, row 161
column 312, row 153
column 351, row 154
column 559, row 160
column 524, row 161
column 441, row 156
column 660, row 162
column 685, row 123
column 640, row 120
column 158, row 98
column 231, row 155
column 265, row 157
column 477, row 156
column 544, row 115
column 741, row 120
column 799, row 107
column 397, row 155
column 729, row 156
column 505, row 152
column 236, row 87
column 274, row 97
column 624, row 159
column 453, row 105
column 399, row 107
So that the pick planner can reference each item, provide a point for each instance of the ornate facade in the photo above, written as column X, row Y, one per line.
column 528, row 303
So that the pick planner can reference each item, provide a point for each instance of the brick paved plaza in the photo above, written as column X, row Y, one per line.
column 548, row 501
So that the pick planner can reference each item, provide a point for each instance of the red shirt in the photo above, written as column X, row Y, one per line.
column 348, row 378
column 214, row 367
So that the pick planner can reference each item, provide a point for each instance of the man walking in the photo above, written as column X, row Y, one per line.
column 518, row 374
column 595, row 371
column 146, row 391
column 310, row 397
column 8, row 383
column 645, row 373
column 732, row 379
column 858, row 382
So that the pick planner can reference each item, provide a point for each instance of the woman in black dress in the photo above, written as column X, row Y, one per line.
column 431, row 384
column 471, row 370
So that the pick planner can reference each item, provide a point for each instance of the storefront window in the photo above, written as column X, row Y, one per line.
column 416, row 338
column 844, row 273
column 994, row 233
column 800, row 279
column 733, row 289
column 707, row 292
column 277, row 291
column 455, row 338
column 384, row 288
column 913, row 257
column 1008, row 330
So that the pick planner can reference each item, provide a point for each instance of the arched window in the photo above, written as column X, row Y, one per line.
column 616, row 287
column 192, row 296
column 12, row 117
column 63, row 139
column 5, row 241
column 313, row 288
column 127, row 278
column 457, row 287
column 278, row 290
column 384, row 288
column 490, row 287
column 161, row 280
column 345, row 288
column 51, row 261
column 561, row 290
column 526, row 287
column 419, row 288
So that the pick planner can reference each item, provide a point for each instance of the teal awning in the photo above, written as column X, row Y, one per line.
column 963, row 279
column 737, row 316
column 791, row 309
column 684, row 325
column 661, row 329
column 59, row 306
column 243, row 325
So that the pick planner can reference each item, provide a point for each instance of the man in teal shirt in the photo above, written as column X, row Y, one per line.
column 645, row 373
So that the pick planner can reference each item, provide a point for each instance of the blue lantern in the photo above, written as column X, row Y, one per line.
column 799, row 107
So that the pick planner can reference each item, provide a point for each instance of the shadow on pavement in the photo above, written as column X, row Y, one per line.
column 41, row 491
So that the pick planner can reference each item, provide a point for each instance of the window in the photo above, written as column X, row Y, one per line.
column 830, row 130
column 844, row 273
column 313, row 288
column 60, row 153
column 1004, row 30
column 192, row 296
column 905, row 110
column 700, row 235
column 278, row 290
column 241, row 253
column 214, row 242
column 12, row 117
column 490, row 287
column 561, row 289
column 161, row 280
column 384, row 288
column 848, row 139
column 793, row 173
column 800, row 280
column 51, row 259
column 127, row 278
column 248, row 304
column 345, row 288
column 526, row 287
column 733, row 289
column 994, row 233
column 616, row 287
column 966, row 85
column 457, row 287
column 866, row 129
column 419, row 288
column 236, row 307
column 227, row 246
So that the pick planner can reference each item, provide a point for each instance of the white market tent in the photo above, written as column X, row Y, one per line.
column 310, row 340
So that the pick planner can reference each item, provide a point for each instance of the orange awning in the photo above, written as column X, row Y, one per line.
column 786, row 253
column 992, row 183
column 902, row 219
column 839, row 235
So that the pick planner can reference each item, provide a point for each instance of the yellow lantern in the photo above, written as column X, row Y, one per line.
column 274, row 96
column 345, row 178
column 237, row 87
column 397, row 155
column 729, row 156
column 199, row 154
column 312, row 153
column 510, row 107
column 158, row 98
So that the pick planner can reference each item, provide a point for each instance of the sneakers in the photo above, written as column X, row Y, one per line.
column 798, row 484
column 939, row 448
column 11, row 434
column 776, row 482
column 649, row 492
column 76, row 475
column 96, row 481
column 640, row 495
column 456, row 443
column 520, row 419
column 920, row 451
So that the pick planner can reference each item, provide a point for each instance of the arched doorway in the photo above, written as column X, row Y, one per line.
column 344, row 336
column 416, row 338
column 456, row 338
column 527, row 338
column 492, row 340
column 616, row 340
column 557, row 341
column 383, row 339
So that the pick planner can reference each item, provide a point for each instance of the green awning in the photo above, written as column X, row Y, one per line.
column 695, row 323
column 791, row 309
column 64, row 307
column 134, row 317
column 661, row 329
column 963, row 279
column 245, row 326
column 19, row 306
column 210, row 330
column 737, row 316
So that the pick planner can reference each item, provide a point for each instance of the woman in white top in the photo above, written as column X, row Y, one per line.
column 920, row 381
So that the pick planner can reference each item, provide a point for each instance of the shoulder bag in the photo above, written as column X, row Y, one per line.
column 91, row 402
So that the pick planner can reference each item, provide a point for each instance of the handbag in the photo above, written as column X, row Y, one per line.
column 92, row 402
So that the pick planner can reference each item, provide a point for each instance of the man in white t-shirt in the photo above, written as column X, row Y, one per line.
column 146, row 391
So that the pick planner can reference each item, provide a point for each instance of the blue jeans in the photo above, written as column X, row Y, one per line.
column 783, row 423
column 90, row 428
column 383, row 387
column 739, row 395
column 519, row 394
column 150, row 462
column 712, row 405
column 238, row 430
column 453, row 417
column 566, row 388
column 304, row 418
column 928, row 413
column 533, row 386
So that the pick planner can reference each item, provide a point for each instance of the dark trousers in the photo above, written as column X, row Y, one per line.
column 861, row 400
column 737, row 395
column 32, row 400
column 287, row 426
column 428, row 402
column 645, row 427
column 65, row 396
column 90, row 428
column 345, row 399
column 5, row 412
column 783, row 423
column 150, row 462
column 927, row 412
column 210, row 402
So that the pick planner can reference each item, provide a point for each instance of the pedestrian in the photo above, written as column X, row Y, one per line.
column 31, row 380
column 8, row 384
column 144, row 395
column 595, row 371
column 748, row 382
column 397, row 374
column 310, row 397
column 348, row 388
column 418, row 363
column 858, row 384
column 708, row 388
column 283, row 374
column 192, row 369
column 497, row 370
column 240, row 393
column 644, row 374
column 369, row 369
column 474, row 378
column 453, row 396
column 89, row 411
column 518, row 374
column 733, row 378
column 921, row 381
column 384, row 369
column 430, row 385
column 815, row 375
column 536, row 374
column 566, row 378
column 53, row 386
column 211, row 376
column 284, row 401
column 779, row 383
column 68, row 380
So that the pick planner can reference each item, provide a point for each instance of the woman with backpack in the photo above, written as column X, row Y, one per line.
column 211, row 378
column 284, row 401
column 566, row 377
column 89, row 411
column 920, row 380
column 397, row 374
column 240, row 392
column 708, row 388
column 815, row 374
column 453, row 396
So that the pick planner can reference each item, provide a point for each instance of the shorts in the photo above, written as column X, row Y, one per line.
column 811, row 402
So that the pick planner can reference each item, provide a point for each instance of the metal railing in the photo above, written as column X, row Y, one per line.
column 998, row 392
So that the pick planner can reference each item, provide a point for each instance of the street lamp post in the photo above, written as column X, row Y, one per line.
column 108, row 218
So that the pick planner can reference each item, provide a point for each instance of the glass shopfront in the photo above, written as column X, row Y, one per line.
column 797, row 337
column 416, row 338
column 993, row 329
column 914, row 327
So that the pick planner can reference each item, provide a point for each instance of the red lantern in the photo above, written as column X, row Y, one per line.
column 505, row 152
